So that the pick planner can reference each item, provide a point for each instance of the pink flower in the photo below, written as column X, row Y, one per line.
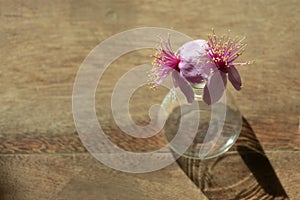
column 184, row 64
column 200, row 61
column 222, row 52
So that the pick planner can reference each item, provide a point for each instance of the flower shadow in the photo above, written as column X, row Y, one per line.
column 244, row 172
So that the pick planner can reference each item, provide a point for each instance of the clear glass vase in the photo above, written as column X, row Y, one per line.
column 206, row 131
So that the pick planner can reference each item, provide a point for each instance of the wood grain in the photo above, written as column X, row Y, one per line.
column 42, row 45
column 254, row 178
column 80, row 176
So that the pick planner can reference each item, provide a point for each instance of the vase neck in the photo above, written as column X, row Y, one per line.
column 198, row 90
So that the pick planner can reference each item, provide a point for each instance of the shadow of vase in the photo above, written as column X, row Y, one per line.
column 244, row 172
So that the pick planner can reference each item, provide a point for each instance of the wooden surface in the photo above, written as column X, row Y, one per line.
column 42, row 45
column 248, row 172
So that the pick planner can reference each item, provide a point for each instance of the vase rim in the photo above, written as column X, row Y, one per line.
column 198, row 86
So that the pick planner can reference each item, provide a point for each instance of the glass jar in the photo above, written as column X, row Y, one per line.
column 206, row 131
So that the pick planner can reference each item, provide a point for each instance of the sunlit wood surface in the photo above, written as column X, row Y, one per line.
column 42, row 45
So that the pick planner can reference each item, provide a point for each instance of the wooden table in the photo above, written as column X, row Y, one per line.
column 42, row 46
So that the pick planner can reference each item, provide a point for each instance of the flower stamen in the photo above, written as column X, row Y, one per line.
column 224, row 50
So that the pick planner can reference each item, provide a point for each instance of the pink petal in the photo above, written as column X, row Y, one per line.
column 190, row 72
column 192, row 49
column 215, row 87
column 161, row 74
column 184, row 86
column 234, row 77
column 194, row 53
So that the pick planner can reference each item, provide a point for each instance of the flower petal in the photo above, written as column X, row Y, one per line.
column 161, row 74
column 234, row 77
column 194, row 65
column 158, row 74
column 190, row 72
column 184, row 86
column 192, row 49
column 215, row 87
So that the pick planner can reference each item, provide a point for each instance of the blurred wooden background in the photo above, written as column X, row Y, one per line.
column 42, row 45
